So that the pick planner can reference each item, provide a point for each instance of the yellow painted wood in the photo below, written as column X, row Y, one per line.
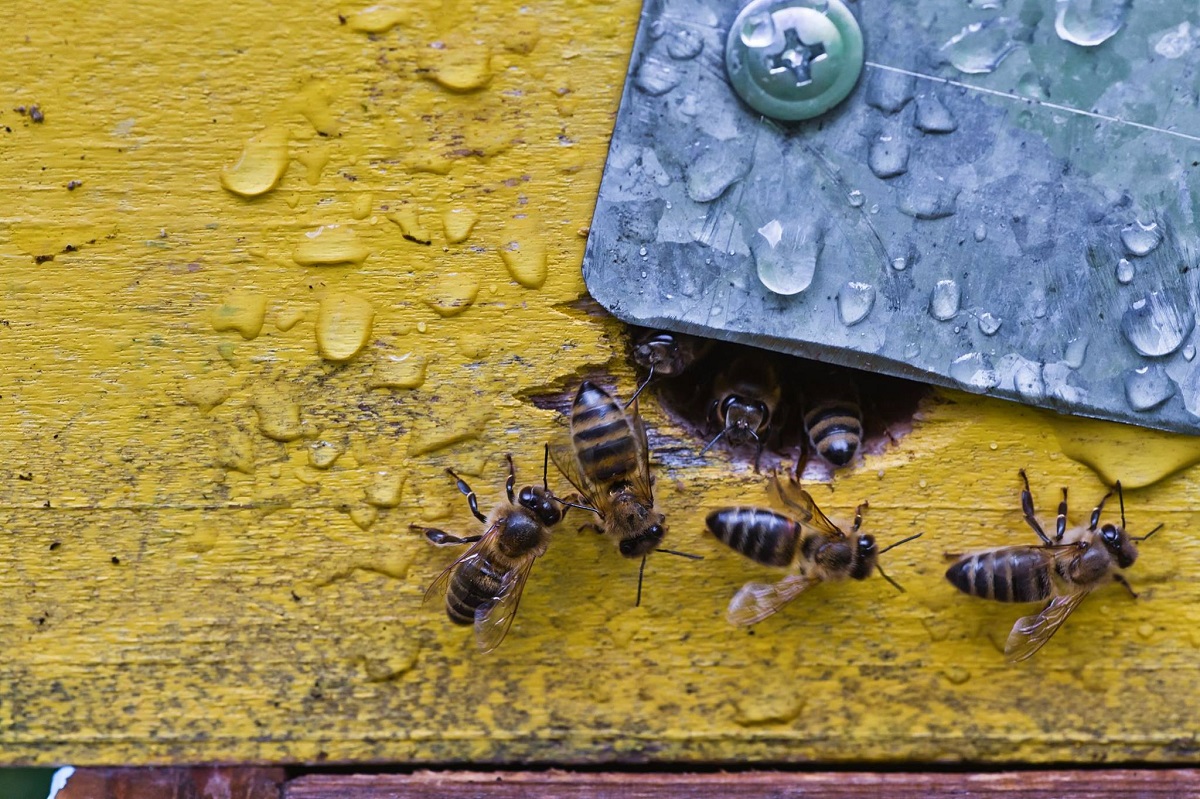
column 205, row 521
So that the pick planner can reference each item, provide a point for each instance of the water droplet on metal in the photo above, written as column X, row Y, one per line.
column 933, row 116
column 911, row 350
column 1148, row 387
column 684, row 43
column 786, row 258
column 1125, row 271
column 1089, row 22
column 855, row 301
column 888, row 155
column 1156, row 324
column 929, row 197
column 889, row 91
column 1176, row 42
column 944, row 300
column 856, row 198
column 758, row 30
column 1027, row 380
column 899, row 263
column 642, row 251
column 989, row 324
column 714, row 171
column 655, row 76
column 1076, row 352
column 1189, row 352
column 980, row 232
column 980, row 47
column 1141, row 239
column 974, row 370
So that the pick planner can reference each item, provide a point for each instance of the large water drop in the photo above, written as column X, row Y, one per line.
column 786, row 256
column 888, row 155
column 1089, row 22
column 944, row 300
column 1148, row 387
column 684, row 43
column 656, row 76
column 1125, row 271
column 989, row 323
column 263, row 162
column 855, row 301
column 343, row 326
column 758, row 30
column 980, row 47
column 933, row 116
column 974, row 370
column 1156, row 324
column 1141, row 239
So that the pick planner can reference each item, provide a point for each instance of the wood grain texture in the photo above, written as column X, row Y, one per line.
column 207, row 552
column 1126, row 784
column 212, row 782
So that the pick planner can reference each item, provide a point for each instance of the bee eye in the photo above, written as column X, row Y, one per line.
column 526, row 495
column 1109, row 533
column 657, row 531
column 866, row 543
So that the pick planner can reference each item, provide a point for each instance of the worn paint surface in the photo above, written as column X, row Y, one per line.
column 242, row 373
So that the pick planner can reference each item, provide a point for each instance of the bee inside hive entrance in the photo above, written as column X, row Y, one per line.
column 769, row 410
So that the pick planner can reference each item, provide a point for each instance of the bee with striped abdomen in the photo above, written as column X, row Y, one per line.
column 814, row 547
column 668, row 354
column 746, row 399
column 1063, row 570
column 833, row 419
column 483, row 587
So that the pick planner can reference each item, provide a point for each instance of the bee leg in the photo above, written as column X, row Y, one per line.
column 1120, row 578
column 1060, row 524
column 1096, row 513
column 469, row 494
column 442, row 538
column 858, row 514
column 512, row 479
column 1027, row 506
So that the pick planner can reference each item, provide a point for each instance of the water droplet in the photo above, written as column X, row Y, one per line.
column 364, row 516
column 1089, row 22
column 989, row 324
column 658, row 29
column 376, row 19
column 329, row 245
column 263, row 162
column 888, row 155
column 1141, row 239
column 405, row 371
column 855, row 301
column 458, row 66
column 974, row 370
column 385, row 489
column 524, row 253
column 758, row 30
column 1156, row 325
column 1125, row 271
column 314, row 160
column 1076, row 352
column 409, row 222
column 312, row 101
column 929, row 197
column 343, row 326
column 889, row 91
column 452, row 293
column 204, row 394
column 713, row 171
column 944, row 300
column 243, row 311
column 684, row 43
column 1057, row 377
column 911, row 350
column 787, row 266
column 1027, row 380
column 235, row 451
column 874, row 208
column 933, row 116
column 1189, row 352
column 980, row 232
column 655, row 76
column 1148, row 387
column 422, row 327
column 362, row 205
column 899, row 263
column 956, row 675
column 1175, row 42
column 323, row 454
column 856, row 198
column 457, row 223
column 278, row 416
column 642, row 251
column 1134, row 455
column 980, row 47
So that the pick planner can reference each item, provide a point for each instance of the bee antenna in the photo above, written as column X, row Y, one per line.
column 645, row 383
column 587, row 508
column 1147, row 535
column 884, row 575
column 709, row 445
column 683, row 554
column 898, row 543
column 641, row 574
column 546, row 469
column 1121, row 499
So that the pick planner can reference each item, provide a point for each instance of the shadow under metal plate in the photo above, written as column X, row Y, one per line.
column 994, row 208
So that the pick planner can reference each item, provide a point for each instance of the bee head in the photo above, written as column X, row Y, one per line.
column 540, row 502
column 865, row 554
column 659, row 352
column 744, row 419
column 1119, row 545
column 644, row 542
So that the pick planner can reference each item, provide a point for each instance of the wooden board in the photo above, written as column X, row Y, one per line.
column 190, row 574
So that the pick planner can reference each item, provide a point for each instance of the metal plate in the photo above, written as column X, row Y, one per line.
column 995, row 207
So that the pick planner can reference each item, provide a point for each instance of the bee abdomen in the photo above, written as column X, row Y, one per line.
column 1007, row 575
column 762, row 535
column 473, row 584
column 602, row 436
column 835, row 430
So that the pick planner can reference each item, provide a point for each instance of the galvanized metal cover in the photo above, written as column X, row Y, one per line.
column 1006, row 203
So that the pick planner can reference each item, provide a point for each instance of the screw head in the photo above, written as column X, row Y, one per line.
column 794, row 59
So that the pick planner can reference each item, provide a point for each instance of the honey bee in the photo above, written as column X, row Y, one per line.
column 1064, row 570
column 808, row 541
column 608, row 462
column 483, row 587
column 665, row 353
column 746, row 397
column 834, row 421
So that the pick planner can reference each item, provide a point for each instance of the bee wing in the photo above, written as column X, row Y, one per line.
column 1031, row 633
column 807, row 512
column 493, row 619
column 756, row 601
column 564, row 459
column 438, row 586
column 641, row 480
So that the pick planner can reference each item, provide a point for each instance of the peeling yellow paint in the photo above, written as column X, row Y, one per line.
column 260, row 607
